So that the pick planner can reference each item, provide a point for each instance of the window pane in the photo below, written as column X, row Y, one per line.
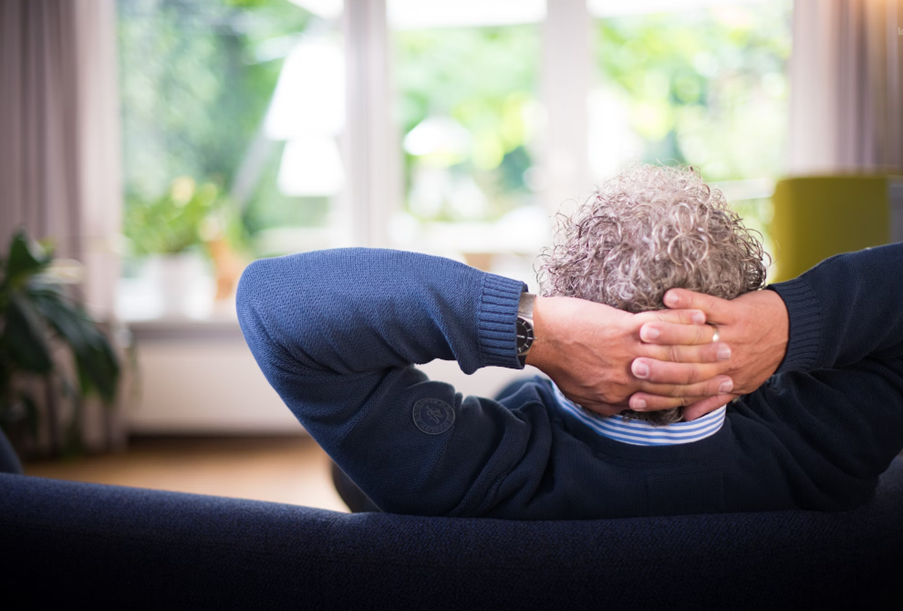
column 467, row 104
column 705, row 86
column 232, row 113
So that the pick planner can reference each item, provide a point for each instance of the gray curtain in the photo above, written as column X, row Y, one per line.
column 59, row 154
column 846, row 86
column 39, row 173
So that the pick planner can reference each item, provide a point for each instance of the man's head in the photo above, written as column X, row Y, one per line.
column 648, row 230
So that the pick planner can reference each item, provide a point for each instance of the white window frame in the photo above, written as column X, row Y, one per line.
column 372, row 140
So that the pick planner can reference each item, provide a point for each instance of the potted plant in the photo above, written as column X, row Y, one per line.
column 169, row 233
column 37, row 314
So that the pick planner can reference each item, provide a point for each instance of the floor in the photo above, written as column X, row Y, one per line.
column 281, row 469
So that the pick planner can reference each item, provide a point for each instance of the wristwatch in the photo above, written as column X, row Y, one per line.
column 525, row 335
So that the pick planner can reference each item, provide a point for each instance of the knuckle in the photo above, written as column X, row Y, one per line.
column 657, row 353
column 692, row 375
column 608, row 396
column 711, row 352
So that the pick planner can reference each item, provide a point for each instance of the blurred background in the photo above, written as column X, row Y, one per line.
column 161, row 145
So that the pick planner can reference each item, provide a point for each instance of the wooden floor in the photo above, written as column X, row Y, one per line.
column 282, row 469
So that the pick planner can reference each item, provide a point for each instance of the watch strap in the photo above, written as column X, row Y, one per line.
column 525, row 306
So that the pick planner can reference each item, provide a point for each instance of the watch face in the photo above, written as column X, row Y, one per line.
column 524, row 336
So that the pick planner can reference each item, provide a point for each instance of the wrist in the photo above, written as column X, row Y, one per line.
column 540, row 333
column 525, row 334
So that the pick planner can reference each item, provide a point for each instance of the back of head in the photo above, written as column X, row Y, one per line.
column 646, row 231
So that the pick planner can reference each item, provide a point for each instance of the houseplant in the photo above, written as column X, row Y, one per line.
column 167, row 233
column 37, row 316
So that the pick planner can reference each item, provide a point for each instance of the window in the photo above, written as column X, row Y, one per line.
column 704, row 86
column 241, row 129
column 467, row 105
column 232, row 115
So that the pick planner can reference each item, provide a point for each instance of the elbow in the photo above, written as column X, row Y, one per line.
column 251, row 298
column 248, row 287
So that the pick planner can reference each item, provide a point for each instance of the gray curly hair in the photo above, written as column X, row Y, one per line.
column 648, row 230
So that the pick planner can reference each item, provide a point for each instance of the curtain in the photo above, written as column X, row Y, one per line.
column 846, row 86
column 59, row 147
column 38, row 123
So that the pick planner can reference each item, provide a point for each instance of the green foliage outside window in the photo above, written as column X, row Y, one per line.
column 702, row 87
column 196, row 77
column 485, row 79
column 705, row 87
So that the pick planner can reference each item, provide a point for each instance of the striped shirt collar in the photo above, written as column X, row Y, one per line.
column 637, row 432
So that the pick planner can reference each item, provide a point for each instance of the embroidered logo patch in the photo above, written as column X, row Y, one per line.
column 433, row 416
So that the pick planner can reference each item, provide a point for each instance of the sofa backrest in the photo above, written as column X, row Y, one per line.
column 115, row 547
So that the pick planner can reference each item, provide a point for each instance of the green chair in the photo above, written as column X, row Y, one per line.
column 816, row 217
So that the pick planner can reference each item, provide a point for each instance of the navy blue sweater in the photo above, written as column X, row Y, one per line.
column 338, row 334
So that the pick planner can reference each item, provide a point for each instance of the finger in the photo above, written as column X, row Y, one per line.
column 709, row 404
column 687, row 393
column 644, row 402
column 666, row 333
column 684, row 317
column 716, row 352
column 666, row 372
column 716, row 310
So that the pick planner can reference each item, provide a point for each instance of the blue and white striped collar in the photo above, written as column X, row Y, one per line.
column 639, row 433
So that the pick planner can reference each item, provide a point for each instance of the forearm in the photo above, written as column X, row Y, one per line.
column 352, row 311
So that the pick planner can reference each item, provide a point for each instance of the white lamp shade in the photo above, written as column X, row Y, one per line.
column 310, row 93
column 311, row 166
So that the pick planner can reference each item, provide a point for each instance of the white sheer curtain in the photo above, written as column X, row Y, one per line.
column 847, row 86
column 59, row 144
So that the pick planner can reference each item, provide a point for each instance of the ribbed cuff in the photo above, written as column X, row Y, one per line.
column 805, row 317
column 496, row 321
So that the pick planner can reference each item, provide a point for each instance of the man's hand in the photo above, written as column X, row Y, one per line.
column 756, row 327
column 587, row 349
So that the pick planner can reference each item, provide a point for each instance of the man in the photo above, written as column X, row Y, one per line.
column 337, row 333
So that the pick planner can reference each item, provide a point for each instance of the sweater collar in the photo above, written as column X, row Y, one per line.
column 637, row 432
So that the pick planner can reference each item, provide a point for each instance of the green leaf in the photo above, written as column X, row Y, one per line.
column 6, row 374
column 26, row 337
column 96, row 362
column 70, row 322
column 32, row 415
column 98, row 371
column 26, row 258
column 22, row 411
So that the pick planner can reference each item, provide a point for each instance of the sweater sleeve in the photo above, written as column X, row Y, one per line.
column 837, row 401
column 337, row 333
column 844, row 309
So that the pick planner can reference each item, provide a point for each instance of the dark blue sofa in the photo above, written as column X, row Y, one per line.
column 76, row 545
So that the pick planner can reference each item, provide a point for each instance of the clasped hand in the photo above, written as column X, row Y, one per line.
column 607, row 360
